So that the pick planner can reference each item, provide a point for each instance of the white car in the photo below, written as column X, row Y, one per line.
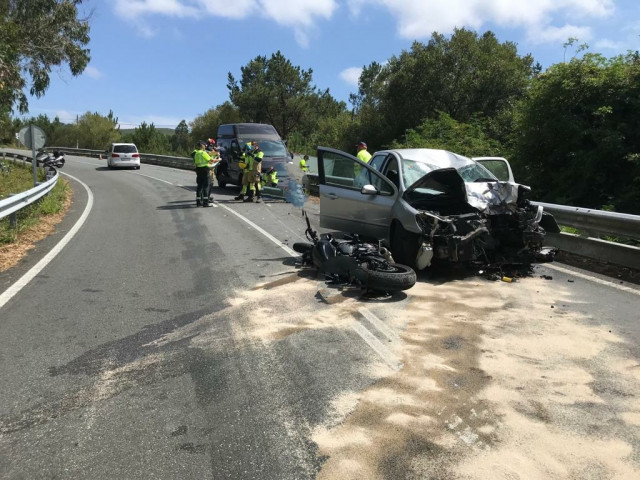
column 123, row 155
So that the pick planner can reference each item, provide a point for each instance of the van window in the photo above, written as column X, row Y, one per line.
column 271, row 148
column 247, row 130
column 125, row 149
column 225, row 131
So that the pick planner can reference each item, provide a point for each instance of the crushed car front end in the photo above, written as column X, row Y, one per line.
column 477, row 223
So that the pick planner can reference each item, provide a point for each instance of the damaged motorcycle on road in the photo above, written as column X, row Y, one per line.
column 348, row 259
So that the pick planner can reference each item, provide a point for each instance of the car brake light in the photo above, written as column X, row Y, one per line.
column 135, row 155
column 114, row 155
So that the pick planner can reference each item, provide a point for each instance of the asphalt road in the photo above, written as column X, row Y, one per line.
column 169, row 341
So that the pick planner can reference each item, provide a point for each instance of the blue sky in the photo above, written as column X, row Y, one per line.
column 163, row 61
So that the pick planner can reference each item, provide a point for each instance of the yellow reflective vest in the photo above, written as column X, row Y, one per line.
column 201, row 158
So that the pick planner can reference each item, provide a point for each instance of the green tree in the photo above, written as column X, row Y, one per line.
column 97, row 132
column 577, row 135
column 446, row 133
column 36, row 35
column 206, row 125
column 465, row 76
column 180, row 139
column 149, row 140
column 273, row 90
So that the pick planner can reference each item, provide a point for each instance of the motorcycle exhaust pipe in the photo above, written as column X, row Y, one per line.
column 386, row 254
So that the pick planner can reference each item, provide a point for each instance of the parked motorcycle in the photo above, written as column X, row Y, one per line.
column 350, row 260
column 55, row 160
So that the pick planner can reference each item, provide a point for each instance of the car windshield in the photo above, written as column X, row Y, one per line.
column 470, row 171
column 271, row 148
column 125, row 149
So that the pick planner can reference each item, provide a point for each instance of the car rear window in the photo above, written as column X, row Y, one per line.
column 125, row 149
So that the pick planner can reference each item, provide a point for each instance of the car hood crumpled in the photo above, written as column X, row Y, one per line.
column 493, row 198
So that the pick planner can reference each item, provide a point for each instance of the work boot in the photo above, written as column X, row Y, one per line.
column 259, row 199
column 198, row 203
column 248, row 199
column 239, row 197
column 206, row 204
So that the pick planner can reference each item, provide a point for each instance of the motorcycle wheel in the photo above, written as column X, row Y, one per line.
column 302, row 247
column 397, row 278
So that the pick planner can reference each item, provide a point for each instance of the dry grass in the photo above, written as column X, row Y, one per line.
column 27, row 239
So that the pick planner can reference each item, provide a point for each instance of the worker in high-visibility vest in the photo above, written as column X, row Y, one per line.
column 303, row 163
column 246, row 164
column 256, row 169
column 363, row 155
column 270, row 178
column 201, row 159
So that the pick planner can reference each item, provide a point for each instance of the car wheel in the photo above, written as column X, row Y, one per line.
column 138, row 167
column 404, row 245
column 222, row 183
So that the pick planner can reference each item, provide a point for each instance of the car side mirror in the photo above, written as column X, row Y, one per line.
column 369, row 190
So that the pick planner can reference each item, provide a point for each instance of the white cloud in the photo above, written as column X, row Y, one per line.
column 606, row 44
column 418, row 19
column 351, row 75
column 65, row 116
column 415, row 19
column 300, row 15
column 92, row 72
column 559, row 34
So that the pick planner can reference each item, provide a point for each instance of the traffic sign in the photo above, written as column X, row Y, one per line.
column 38, row 140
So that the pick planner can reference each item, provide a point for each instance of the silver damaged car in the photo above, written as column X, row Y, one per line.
column 431, row 206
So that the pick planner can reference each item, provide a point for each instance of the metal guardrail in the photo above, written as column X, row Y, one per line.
column 592, row 223
column 12, row 204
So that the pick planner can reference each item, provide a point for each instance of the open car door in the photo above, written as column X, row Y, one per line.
column 498, row 166
column 354, row 197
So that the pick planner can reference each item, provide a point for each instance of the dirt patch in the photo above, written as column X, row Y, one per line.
column 12, row 253
column 494, row 385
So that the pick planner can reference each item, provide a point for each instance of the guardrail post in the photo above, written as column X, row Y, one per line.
column 13, row 218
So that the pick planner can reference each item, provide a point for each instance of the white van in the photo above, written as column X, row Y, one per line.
column 123, row 155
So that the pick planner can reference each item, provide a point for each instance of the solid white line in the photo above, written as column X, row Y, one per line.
column 592, row 279
column 149, row 176
column 37, row 268
column 379, row 324
column 376, row 345
column 262, row 231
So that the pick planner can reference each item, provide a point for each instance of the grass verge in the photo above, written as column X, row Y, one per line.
column 34, row 222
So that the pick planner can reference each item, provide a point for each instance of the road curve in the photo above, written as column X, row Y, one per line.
column 169, row 341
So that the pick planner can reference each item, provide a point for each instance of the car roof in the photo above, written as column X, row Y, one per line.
column 433, row 156
column 124, row 144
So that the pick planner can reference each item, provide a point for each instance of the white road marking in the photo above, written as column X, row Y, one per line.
column 155, row 178
column 262, row 231
column 592, row 279
column 377, row 346
column 37, row 268
column 379, row 324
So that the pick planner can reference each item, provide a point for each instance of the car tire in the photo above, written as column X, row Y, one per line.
column 404, row 246
column 222, row 183
column 398, row 277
